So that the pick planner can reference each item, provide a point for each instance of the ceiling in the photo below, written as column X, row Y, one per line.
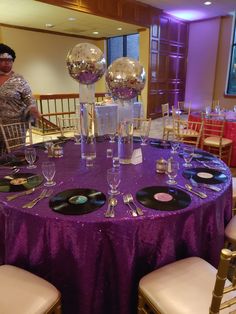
column 35, row 15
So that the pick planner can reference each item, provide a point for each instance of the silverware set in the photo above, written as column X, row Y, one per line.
column 134, row 209
column 189, row 188
column 14, row 196
column 110, row 212
column 44, row 194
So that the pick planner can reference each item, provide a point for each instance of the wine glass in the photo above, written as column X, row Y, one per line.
column 174, row 147
column 47, row 144
column 49, row 170
column 172, row 171
column 113, row 179
column 112, row 126
column 144, row 131
column 77, row 137
column 188, row 153
column 30, row 157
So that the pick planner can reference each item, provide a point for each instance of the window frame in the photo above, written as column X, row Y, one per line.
column 232, row 50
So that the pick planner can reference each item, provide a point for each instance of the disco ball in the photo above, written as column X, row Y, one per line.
column 125, row 78
column 86, row 63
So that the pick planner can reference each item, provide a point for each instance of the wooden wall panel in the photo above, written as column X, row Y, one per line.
column 168, row 82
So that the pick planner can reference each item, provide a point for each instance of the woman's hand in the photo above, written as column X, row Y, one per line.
column 34, row 112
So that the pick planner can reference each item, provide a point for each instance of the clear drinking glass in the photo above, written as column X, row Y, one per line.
column 49, row 170
column 144, row 132
column 30, row 157
column 47, row 143
column 113, row 179
column 172, row 171
column 188, row 153
column 174, row 147
column 77, row 138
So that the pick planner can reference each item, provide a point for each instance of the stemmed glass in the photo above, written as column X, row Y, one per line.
column 144, row 131
column 174, row 147
column 47, row 144
column 112, row 126
column 30, row 157
column 188, row 153
column 77, row 137
column 49, row 170
column 172, row 171
column 113, row 179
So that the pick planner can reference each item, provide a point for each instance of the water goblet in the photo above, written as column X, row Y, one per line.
column 30, row 157
column 188, row 153
column 113, row 179
column 172, row 171
column 234, row 108
column 174, row 147
column 77, row 138
column 47, row 144
column 49, row 170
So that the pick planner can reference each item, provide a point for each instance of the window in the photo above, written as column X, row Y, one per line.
column 231, row 89
column 122, row 46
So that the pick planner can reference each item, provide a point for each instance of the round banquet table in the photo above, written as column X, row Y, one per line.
column 97, row 262
column 229, row 130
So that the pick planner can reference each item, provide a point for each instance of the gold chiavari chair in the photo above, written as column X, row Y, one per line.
column 186, row 131
column 184, row 107
column 167, row 122
column 22, row 292
column 16, row 135
column 212, row 137
column 190, row 285
column 214, row 104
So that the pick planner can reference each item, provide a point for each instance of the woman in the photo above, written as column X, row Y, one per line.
column 16, row 101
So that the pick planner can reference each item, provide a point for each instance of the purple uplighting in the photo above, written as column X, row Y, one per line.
column 187, row 14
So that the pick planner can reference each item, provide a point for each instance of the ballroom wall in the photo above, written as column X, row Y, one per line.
column 208, row 55
column 40, row 58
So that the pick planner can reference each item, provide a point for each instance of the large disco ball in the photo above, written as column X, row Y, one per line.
column 86, row 63
column 125, row 78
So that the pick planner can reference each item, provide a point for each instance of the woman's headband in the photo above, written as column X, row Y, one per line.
column 5, row 55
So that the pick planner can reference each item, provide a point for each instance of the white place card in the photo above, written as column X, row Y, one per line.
column 137, row 157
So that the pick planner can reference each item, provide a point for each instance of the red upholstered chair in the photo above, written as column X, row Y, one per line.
column 186, row 286
column 21, row 292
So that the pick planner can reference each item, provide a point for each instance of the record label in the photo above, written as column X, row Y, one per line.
column 20, row 182
column 77, row 201
column 163, row 198
column 203, row 175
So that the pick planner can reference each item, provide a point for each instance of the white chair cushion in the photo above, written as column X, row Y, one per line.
column 182, row 287
column 21, row 292
column 215, row 141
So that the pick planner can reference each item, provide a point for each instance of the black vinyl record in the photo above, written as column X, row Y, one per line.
column 205, row 175
column 200, row 155
column 19, row 182
column 164, row 198
column 161, row 144
column 77, row 201
column 16, row 159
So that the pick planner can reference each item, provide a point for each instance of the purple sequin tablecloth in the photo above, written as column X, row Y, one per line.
column 96, row 262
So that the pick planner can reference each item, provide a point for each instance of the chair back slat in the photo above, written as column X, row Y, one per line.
column 16, row 135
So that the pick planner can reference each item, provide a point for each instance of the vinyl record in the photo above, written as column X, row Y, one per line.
column 160, row 144
column 77, row 201
column 164, row 198
column 19, row 182
column 200, row 155
column 205, row 175
column 136, row 139
column 16, row 159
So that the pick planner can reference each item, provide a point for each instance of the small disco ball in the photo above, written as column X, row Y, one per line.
column 125, row 78
column 86, row 63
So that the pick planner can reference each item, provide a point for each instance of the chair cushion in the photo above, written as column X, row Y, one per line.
column 230, row 230
column 22, row 292
column 182, row 287
column 215, row 141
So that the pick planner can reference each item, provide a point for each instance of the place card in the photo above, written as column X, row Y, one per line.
column 137, row 157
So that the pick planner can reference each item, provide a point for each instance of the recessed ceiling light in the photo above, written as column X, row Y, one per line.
column 95, row 33
column 49, row 25
column 71, row 18
column 119, row 28
column 208, row 3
